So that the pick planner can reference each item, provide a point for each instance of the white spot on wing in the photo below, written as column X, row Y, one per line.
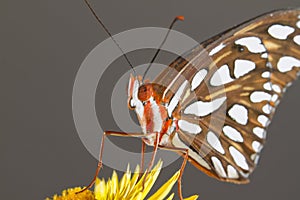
column 297, row 39
column 259, row 96
column 289, row 84
column 218, row 166
column 198, row 78
column 280, row 32
column 267, row 109
column 253, row 44
column 260, row 132
column 256, row 159
column 274, row 98
column 214, row 141
column 256, row 146
column 242, row 67
column 216, row 49
column 276, row 88
column 178, row 143
column 266, row 74
column 263, row 120
column 238, row 158
column 232, row 173
column 200, row 108
column 221, row 76
column 246, row 175
column 175, row 99
column 233, row 134
column 189, row 127
column 298, row 24
column 239, row 113
column 286, row 63
column 268, row 86
column 264, row 55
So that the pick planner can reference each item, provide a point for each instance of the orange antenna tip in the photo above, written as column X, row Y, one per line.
column 180, row 17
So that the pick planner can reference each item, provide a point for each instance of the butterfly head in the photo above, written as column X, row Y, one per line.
column 138, row 93
column 134, row 102
column 143, row 99
column 145, row 92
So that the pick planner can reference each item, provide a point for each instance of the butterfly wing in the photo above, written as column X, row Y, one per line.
column 223, row 93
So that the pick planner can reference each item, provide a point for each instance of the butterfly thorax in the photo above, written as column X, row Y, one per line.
column 151, row 110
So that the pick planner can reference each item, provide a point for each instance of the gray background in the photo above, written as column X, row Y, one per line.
column 42, row 44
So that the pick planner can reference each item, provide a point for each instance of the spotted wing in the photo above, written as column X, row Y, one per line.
column 223, row 93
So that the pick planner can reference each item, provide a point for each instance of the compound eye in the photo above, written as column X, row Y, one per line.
column 145, row 92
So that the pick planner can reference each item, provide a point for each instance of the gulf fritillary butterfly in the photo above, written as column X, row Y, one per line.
column 236, row 80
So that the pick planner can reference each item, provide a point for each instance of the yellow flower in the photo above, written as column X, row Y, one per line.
column 129, row 187
column 70, row 194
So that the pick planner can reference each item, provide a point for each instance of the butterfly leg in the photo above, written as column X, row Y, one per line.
column 156, row 143
column 99, row 166
column 142, row 157
column 184, row 153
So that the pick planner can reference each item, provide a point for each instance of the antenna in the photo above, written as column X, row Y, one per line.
column 109, row 34
column 181, row 18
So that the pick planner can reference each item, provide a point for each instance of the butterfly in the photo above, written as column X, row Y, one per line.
column 226, row 93
column 214, row 103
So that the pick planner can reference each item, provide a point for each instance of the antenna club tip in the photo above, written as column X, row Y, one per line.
column 180, row 17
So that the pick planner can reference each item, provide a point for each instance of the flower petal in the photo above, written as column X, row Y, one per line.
column 132, row 186
column 194, row 197
column 115, row 183
column 166, row 188
column 100, row 189
column 170, row 197
column 148, row 183
column 125, row 183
